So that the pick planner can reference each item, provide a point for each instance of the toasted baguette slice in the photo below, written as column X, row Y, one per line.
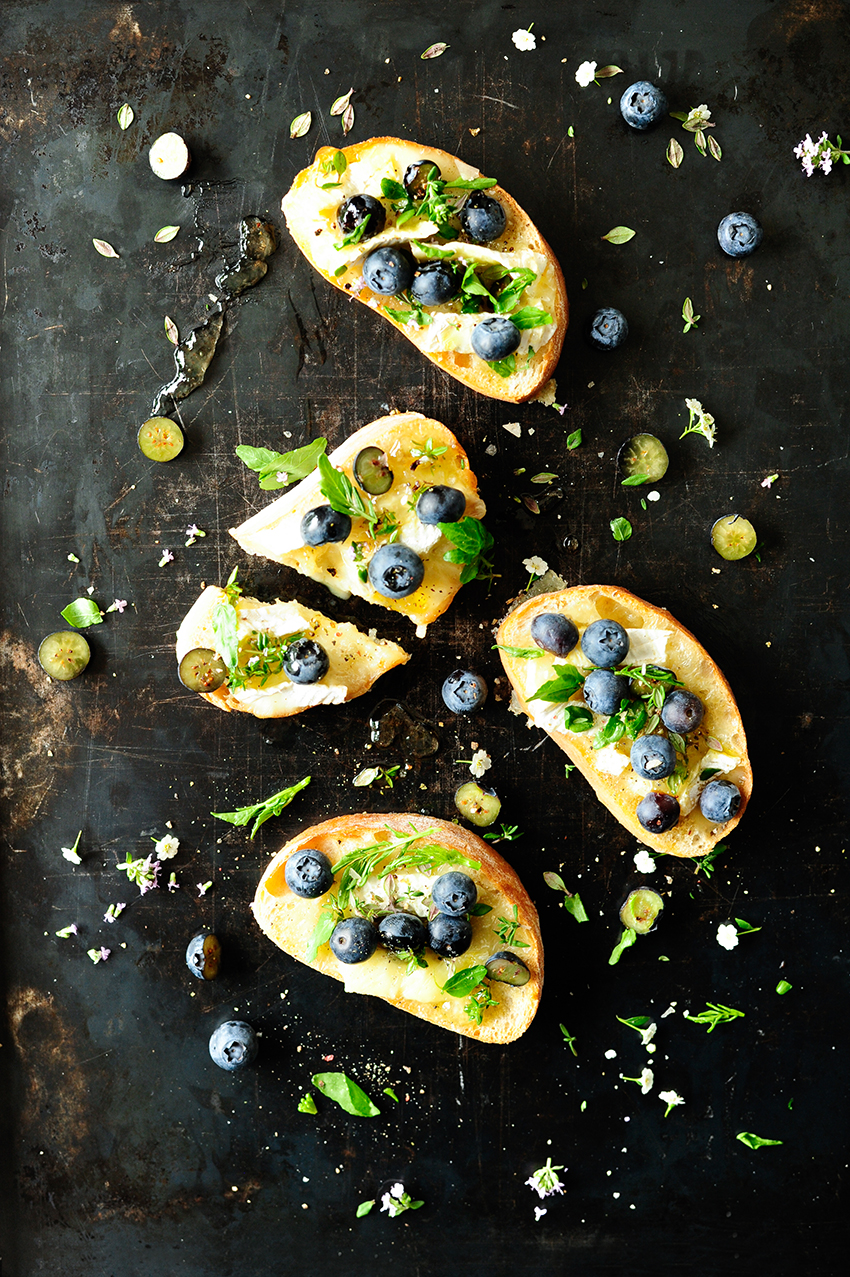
column 276, row 531
column 356, row 661
column 311, row 215
column 289, row 921
column 655, row 639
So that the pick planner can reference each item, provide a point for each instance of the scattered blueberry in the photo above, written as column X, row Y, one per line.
column 554, row 632
column 353, row 940
column 402, row 933
column 441, row 504
column 323, row 525
column 607, row 329
column 739, row 234
column 682, row 712
column 483, row 218
column 603, row 691
column 454, row 893
column 308, row 873
column 464, row 691
column 435, row 282
column 653, row 757
column 395, row 571
column 605, row 643
column 658, row 812
column 233, row 1045
column 354, row 211
column 495, row 338
column 417, row 176
column 388, row 271
column 449, row 937
column 642, row 104
column 507, row 968
column 305, row 661
column 719, row 801
column 203, row 955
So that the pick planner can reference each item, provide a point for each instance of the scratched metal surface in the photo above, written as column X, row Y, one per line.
column 128, row 1151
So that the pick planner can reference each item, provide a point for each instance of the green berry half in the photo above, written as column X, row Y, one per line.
column 160, row 439
column 64, row 655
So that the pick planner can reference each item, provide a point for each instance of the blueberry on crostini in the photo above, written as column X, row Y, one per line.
column 607, row 329
column 507, row 968
column 308, row 873
column 372, row 471
column 719, row 801
column 449, row 937
column 402, row 933
column 441, row 504
column 324, row 525
column 203, row 955
column 353, row 940
column 354, row 211
column 305, row 661
column 682, row 712
column 417, row 176
column 483, row 218
column 233, row 1045
column 604, row 690
column 495, row 338
column 434, row 283
column 463, row 691
column 454, row 893
column 605, row 643
column 388, row 271
column 658, row 812
column 395, row 571
column 554, row 632
column 739, row 234
column 653, row 757
column 642, row 104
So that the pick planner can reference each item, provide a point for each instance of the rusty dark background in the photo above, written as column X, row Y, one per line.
column 128, row 1153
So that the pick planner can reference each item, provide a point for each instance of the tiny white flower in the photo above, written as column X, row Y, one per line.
column 167, row 557
column 644, row 862
column 727, row 935
column 545, row 1180
column 769, row 481
column 538, row 1212
column 524, row 40
column 282, row 476
column 166, row 847
column 647, row 1034
column 610, row 1055
column 481, row 762
column 71, row 853
column 647, row 1081
column 671, row 1099
column 586, row 74
column 117, row 605
column 203, row 887
column 193, row 532
column 535, row 565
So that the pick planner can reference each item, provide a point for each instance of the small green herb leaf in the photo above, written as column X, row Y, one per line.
column 278, row 469
column 519, row 653
column 262, row 811
column 105, row 250
column 82, row 613
column 348, row 119
column 634, row 480
column 626, row 940
column 562, row 687
column 574, row 440
column 605, row 73
column 472, row 544
column 347, row 1094
column 461, row 984
column 714, row 1015
column 530, row 317
column 714, row 148
column 754, row 1141
column 388, row 1090
column 165, row 234
column 171, row 330
column 434, row 51
column 126, row 116
column 301, row 124
column 569, row 1039
column 307, row 1104
column 619, row 235
column 364, row 1208
column 621, row 529
column 745, row 928
column 573, row 905
column 783, row 987
column 555, row 881
column 339, row 104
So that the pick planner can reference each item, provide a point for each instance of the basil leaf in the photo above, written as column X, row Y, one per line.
column 347, row 1094
column 573, row 905
column 294, row 465
column 621, row 529
column 555, row 881
column 461, row 984
column 225, row 624
column 364, row 1208
column 504, row 367
column 754, row 1141
column 634, row 1021
column 393, row 190
column 472, row 542
column 322, row 933
column 81, row 613
column 479, row 910
column 519, row 653
column 708, row 772
column 431, row 250
column 577, row 719
column 470, row 184
column 626, row 941
column 634, row 480
column 530, row 317
column 568, row 679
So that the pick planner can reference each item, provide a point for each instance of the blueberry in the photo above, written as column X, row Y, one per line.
column 353, row 940
column 388, row 271
column 323, row 525
column 441, row 504
column 658, row 812
column 605, row 643
column 464, row 691
column 739, row 234
column 454, row 893
column 507, row 968
column 402, row 933
column 203, row 955
column 435, row 282
column 607, row 329
column 395, row 571
column 495, row 338
column 305, row 661
column 308, row 873
column 653, row 757
column 642, row 104
column 233, row 1045
column 354, row 211
column 449, row 937
column 417, row 176
column 603, row 691
column 719, row 801
column 682, row 712
column 483, row 218
column 554, row 632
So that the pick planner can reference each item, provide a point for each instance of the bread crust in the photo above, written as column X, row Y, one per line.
column 685, row 655
column 289, row 920
column 520, row 234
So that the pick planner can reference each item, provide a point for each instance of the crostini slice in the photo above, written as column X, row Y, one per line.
column 716, row 750
column 420, row 454
column 397, row 859
column 513, row 275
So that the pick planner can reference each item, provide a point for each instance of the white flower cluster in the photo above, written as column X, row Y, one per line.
column 586, row 74
column 166, row 847
column 814, row 155
column 727, row 935
column 524, row 40
column 545, row 1181
column 480, row 763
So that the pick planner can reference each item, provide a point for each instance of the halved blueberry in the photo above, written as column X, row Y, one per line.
column 203, row 955
column 507, row 968
column 417, row 176
column 441, row 504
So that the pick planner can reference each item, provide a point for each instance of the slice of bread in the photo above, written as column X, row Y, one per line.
column 356, row 660
column 440, row 331
column 719, row 745
column 276, row 531
column 289, row 920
